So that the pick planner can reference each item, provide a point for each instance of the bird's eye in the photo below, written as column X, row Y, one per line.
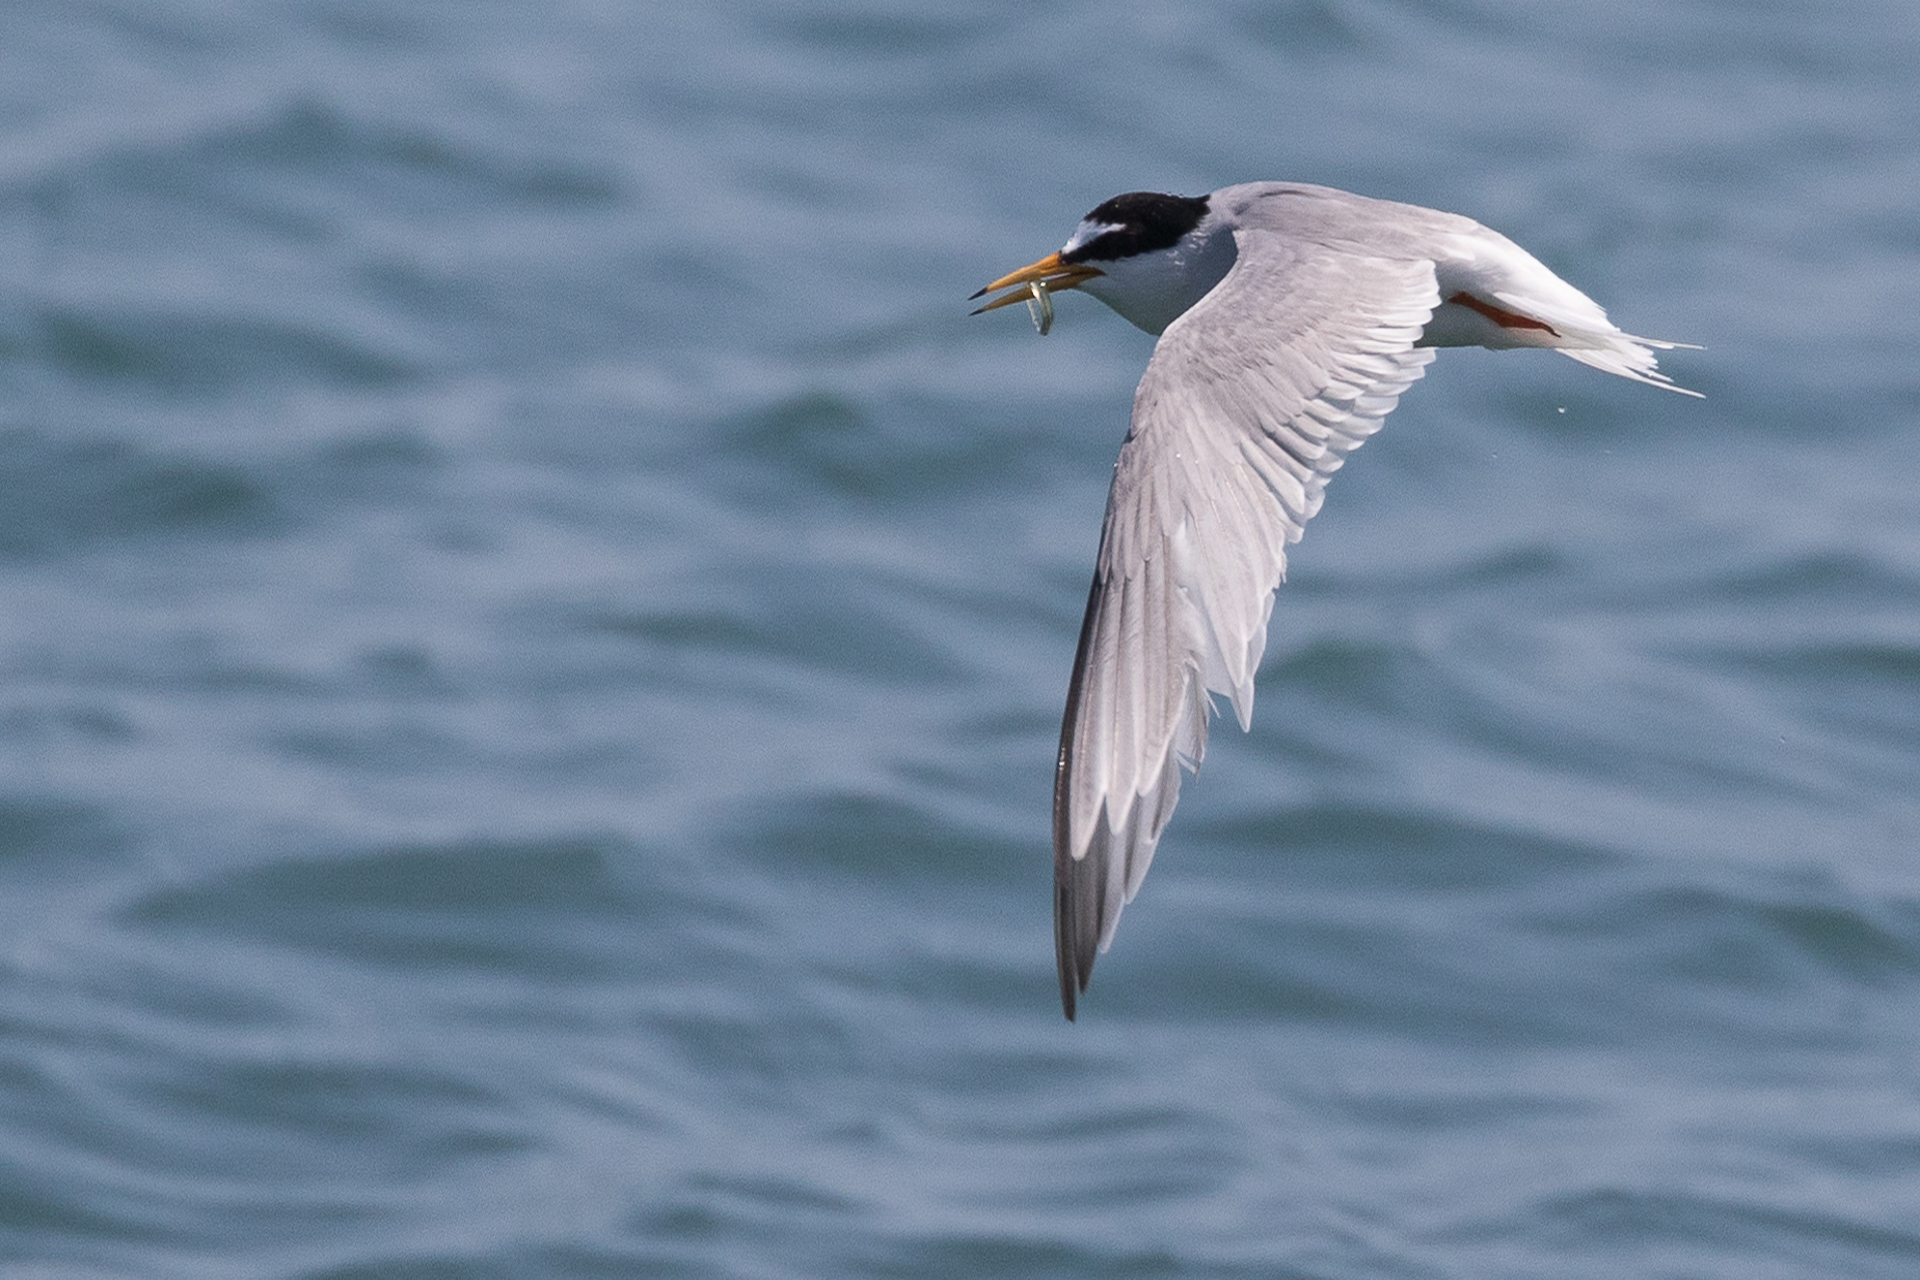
column 1092, row 240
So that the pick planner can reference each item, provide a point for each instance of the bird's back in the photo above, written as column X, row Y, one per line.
column 1347, row 222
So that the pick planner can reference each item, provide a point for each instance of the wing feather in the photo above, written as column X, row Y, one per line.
column 1252, row 399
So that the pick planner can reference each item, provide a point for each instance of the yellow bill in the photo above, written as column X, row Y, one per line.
column 1032, row 284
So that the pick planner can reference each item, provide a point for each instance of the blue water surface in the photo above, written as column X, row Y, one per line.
column 533, row 626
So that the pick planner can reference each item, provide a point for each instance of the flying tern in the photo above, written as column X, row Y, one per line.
column 1291, row 319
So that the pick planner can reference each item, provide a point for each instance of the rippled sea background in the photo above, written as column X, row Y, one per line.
column 533, row 625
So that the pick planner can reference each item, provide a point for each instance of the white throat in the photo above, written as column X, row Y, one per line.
column 1152, row 290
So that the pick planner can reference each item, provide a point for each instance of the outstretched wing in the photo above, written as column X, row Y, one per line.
column 1252, row 399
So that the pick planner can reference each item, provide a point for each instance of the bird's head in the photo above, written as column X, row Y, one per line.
column 1148, row 256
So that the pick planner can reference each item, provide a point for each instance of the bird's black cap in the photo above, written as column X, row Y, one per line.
column 1139, row 222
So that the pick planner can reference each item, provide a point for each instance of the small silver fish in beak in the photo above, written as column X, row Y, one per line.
column 1040, row 280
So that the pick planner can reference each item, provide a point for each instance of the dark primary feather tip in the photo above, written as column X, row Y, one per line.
column 1079, row 884
column 1063, row 948
column 1076, row 928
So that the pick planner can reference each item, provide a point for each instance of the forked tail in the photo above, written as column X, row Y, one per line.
column 1630, row 357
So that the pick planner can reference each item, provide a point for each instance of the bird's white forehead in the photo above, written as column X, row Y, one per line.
column 1087, row 232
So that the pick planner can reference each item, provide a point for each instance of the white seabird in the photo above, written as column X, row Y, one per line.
column 1291, row 318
